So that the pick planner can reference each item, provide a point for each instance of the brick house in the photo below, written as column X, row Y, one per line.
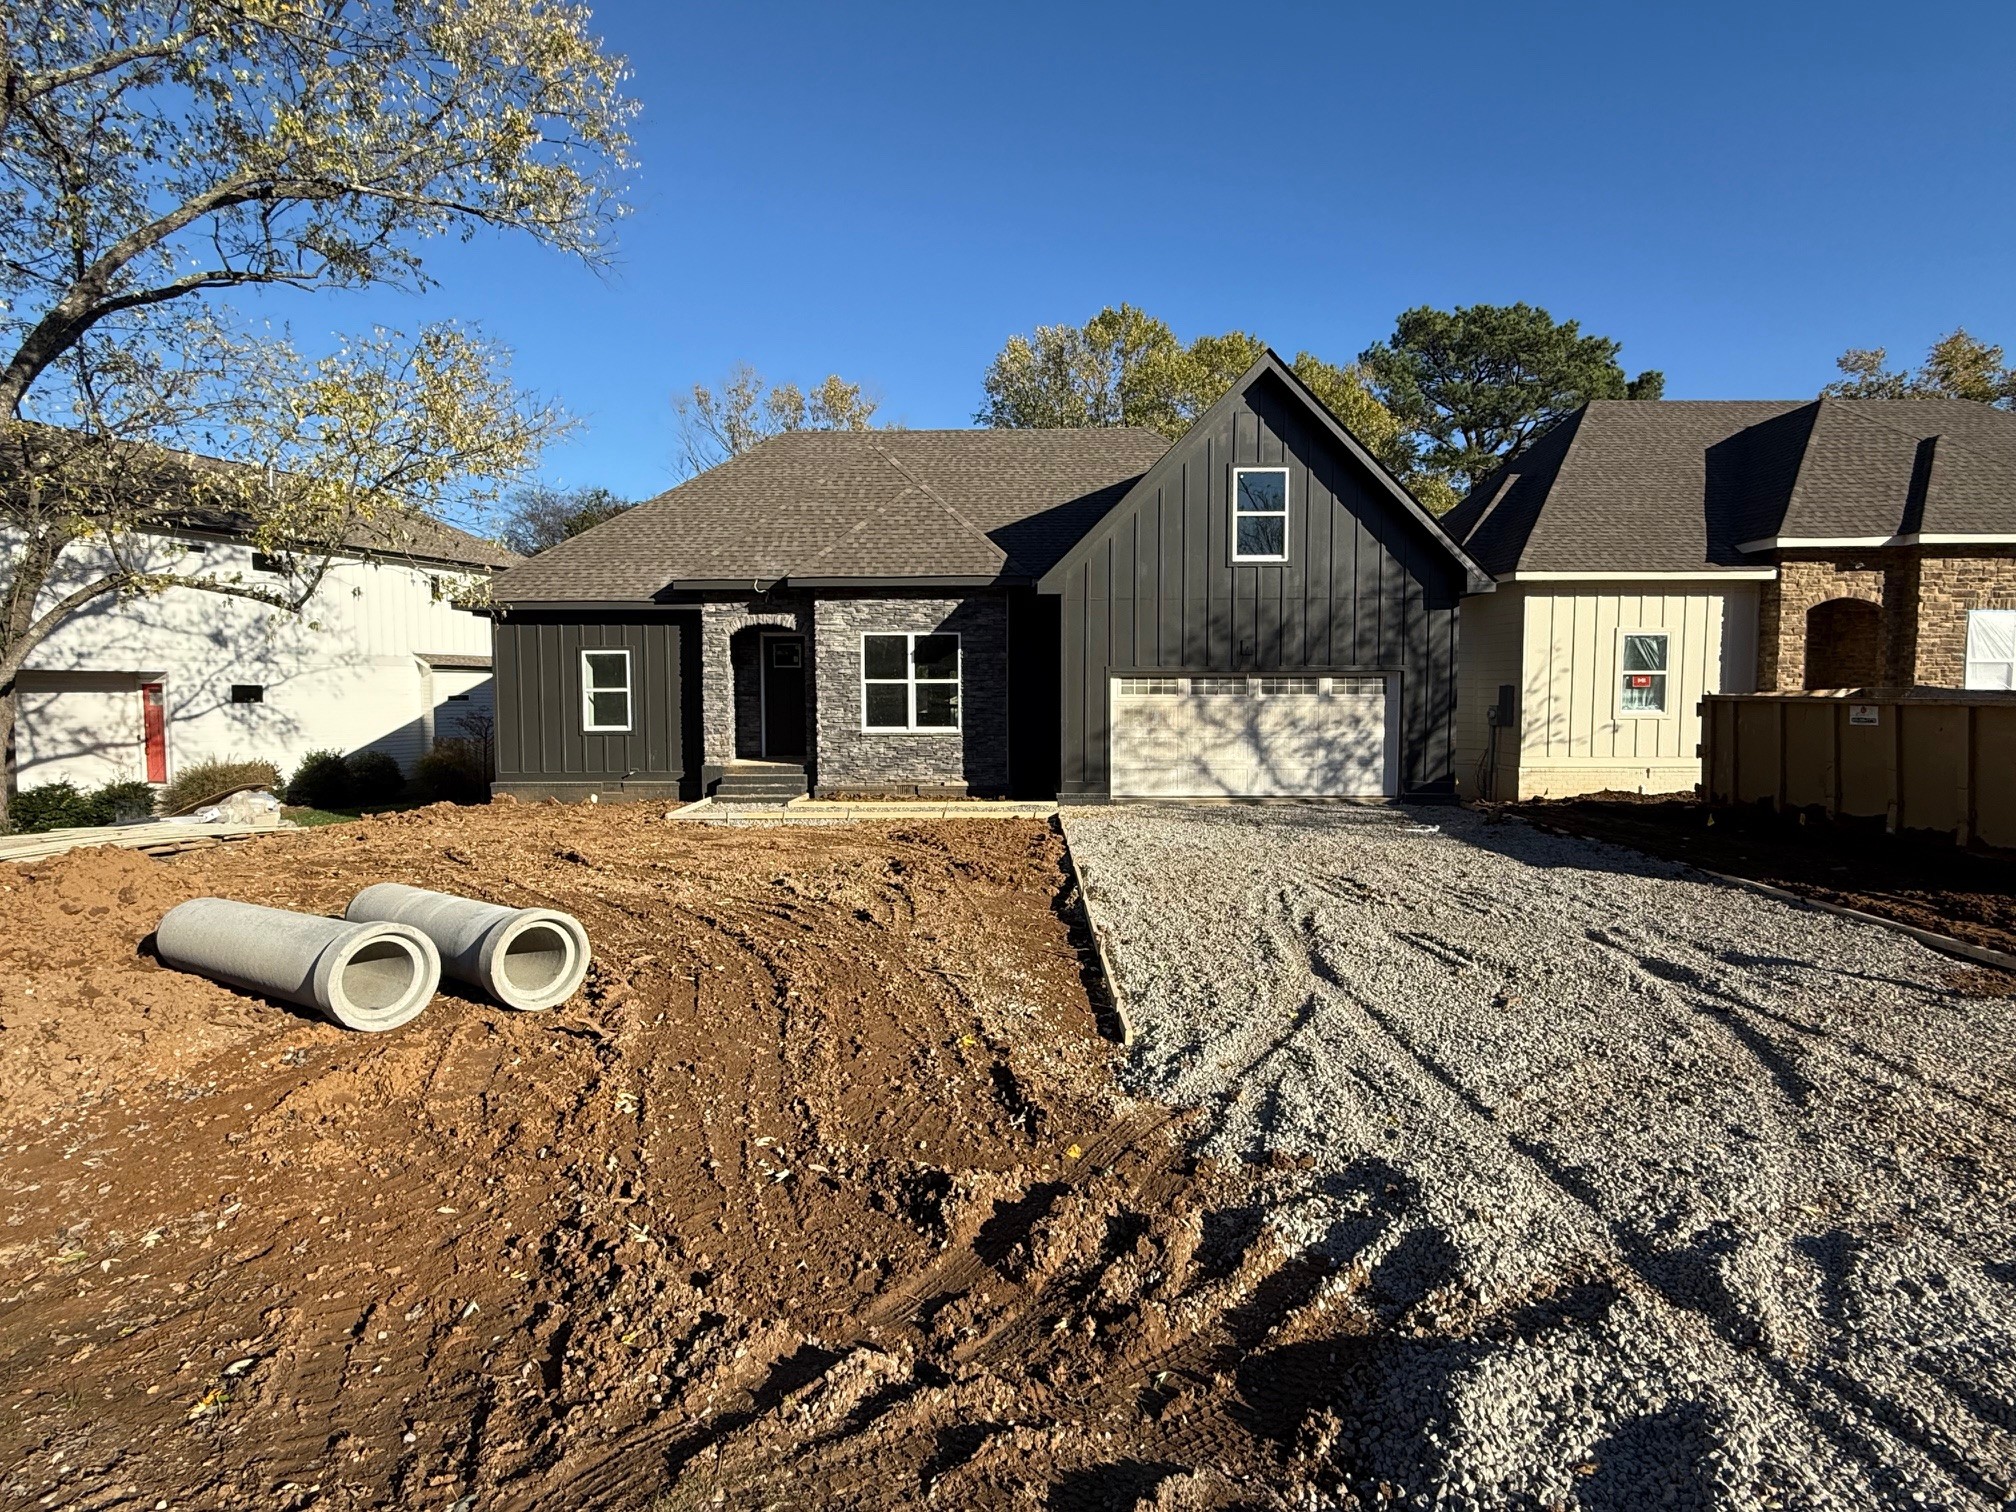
column 1647, row 554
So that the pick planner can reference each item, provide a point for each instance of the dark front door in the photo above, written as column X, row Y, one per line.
column 783, row 698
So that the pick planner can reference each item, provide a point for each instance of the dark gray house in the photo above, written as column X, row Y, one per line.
column 1257, row 610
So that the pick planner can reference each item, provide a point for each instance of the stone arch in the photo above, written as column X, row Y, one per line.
column 1844, row 644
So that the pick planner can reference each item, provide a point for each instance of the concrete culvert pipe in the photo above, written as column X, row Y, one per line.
column 523, row 957
column 370, row 976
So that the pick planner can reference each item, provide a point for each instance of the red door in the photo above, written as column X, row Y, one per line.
column 154, row 719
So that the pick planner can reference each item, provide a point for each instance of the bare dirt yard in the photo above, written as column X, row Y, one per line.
column 820, row 1194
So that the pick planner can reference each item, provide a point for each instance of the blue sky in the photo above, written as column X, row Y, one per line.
column 1736, row 192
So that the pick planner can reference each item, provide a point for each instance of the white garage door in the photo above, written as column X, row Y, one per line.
column 1249, row 737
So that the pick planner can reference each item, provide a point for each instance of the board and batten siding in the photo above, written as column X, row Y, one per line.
column 543, row 748
column 1573, row 735
column 1492, row 636
column 1365, row 589
column 349, row 673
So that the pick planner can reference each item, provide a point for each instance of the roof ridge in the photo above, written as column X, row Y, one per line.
column 875, row 512
column 1853, row 407
column 944, row 503
column 1796, row 491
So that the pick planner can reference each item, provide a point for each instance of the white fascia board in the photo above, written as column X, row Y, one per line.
column 1916, row 538
column 1727, row 575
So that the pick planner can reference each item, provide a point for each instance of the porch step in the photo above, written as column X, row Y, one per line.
column 760, row 784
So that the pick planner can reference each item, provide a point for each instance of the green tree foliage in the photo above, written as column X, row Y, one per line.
column 153, row 152
column 1472, row 387
column 1124, row 367
column 1957, row 367
column 716, row 423
column 538, row 516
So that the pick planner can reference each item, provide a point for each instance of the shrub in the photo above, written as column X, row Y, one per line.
column 374, row 777
column 321, row 781
column 206, row 781
column 455, row 770
column 119, row 803
column 52, row 806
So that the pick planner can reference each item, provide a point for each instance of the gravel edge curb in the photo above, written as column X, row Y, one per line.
column 1114, row 993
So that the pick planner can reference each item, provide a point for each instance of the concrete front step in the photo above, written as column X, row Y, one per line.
column 760, row 785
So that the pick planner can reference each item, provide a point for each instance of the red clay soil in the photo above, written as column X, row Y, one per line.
column 1926, row 882
column 818, row 1195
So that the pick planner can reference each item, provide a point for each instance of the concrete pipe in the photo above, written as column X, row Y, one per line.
column 523, row 957
column 363, row 976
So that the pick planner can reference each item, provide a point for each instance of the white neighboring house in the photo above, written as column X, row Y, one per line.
column 381, row 659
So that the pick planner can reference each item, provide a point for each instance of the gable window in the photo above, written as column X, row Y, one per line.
column 244, row 693
column 605, row 691
column 1991, row 648
column 1259, row 514
column 1643, row 677
column 910, row 682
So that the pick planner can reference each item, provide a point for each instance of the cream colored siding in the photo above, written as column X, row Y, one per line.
column 1575, row 735
column 1487, row 653
column 347, row 675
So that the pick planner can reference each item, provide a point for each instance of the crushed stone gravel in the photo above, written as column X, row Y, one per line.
column 1642, row 1190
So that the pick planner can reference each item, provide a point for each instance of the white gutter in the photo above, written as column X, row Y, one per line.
column 1730, row 574
column 1915, row 538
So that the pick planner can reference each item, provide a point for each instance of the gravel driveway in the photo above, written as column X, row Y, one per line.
column 1643, row 1190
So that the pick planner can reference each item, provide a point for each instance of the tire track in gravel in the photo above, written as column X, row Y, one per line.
column 1860, row 1423
column 1637, row 1257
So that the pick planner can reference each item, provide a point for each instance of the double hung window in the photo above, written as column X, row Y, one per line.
column 1644, row 673
column 605, row 691
column 1259, row 514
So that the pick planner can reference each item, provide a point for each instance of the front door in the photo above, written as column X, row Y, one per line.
column 783, row 698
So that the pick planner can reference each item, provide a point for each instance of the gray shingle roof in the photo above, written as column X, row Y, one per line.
column 813, row 505
column 1679, row 485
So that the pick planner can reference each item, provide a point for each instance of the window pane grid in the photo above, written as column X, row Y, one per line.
column 1642, row 677
column 1259, row 514
column 1224, row 687
column 910, row 681
column 605, row 691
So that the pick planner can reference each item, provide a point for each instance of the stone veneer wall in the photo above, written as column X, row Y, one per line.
column 725, row 700
column 1783, row 606
column 972, row 760
column 1924, row 595
column 1949, row 585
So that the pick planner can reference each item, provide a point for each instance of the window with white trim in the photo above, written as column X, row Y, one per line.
column 910, row 681
column 1642, row 679
column 1991, row 648
column 605, row 691
column 1259, row 514
column 1154, row 687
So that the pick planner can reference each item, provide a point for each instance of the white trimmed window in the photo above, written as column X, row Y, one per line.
column 910, row 681
column 605, row 691
column 1642, row 679
column 1259, row 514
column 1991, row 648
